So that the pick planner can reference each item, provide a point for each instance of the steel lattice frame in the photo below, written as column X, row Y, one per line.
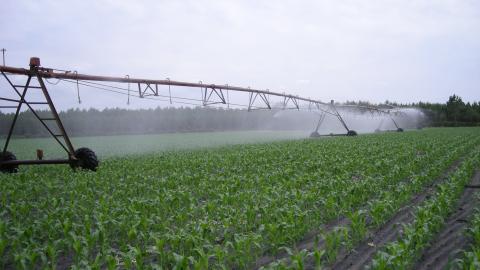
column 211, row 94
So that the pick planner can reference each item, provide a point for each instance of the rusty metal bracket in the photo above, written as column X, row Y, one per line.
column 148, row 87
column 293, row 100
column 263, row 97
column 208, row 97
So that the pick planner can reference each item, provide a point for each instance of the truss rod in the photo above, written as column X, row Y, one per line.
column 49, row 73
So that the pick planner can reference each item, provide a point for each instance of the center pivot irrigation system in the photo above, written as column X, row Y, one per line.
column 211, row 94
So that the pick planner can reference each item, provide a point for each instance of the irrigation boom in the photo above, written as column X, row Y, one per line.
column 51, row 73
column 86, row 158
column 152, row 85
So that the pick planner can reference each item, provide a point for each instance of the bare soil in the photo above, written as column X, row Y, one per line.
column 307, row 243
column 363, row 254
column 452, row 239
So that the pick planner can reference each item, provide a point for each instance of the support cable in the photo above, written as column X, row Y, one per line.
column 78, row 88
column 175, row 99
column 201, row 92
column 111, row 88
column 169, row 92
column 228, row 98
column 104, row 88
column 93, row 84
column 128, row 91
column 55, row 83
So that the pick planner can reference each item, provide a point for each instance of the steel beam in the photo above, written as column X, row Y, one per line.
column 207, row 97
column 53, row 110
column 37, row 162
column 50, row 73
column 15, row 117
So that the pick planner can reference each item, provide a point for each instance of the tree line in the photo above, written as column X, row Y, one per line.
column 455, row 112
column 115, row 121
column 143, row 121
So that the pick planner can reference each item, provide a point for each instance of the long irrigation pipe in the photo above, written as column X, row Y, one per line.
column 66, row 75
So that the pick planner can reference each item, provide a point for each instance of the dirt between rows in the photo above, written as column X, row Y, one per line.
column 307, row 243
column 364, row 252
column 449, row 243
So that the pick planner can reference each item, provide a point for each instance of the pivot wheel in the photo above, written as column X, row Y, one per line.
column 8, row 156
column 399, row 129
column 86, row 159
column 351, row 133
column 314, row 134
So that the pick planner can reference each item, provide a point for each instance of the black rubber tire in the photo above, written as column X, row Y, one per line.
column 314, row 134
column 8, row 168
column 351, row 133
column 399, row 129
column 377, row 130
column 86, row 159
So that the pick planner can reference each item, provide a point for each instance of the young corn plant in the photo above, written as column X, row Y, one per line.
column 215, row 201
column 333, row 242
column 358, row 226
column 470, row 258
column 428, row 221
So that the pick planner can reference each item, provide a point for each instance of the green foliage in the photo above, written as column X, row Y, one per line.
column 429, row 219
column 333, row 242
column 454, row 112
column 216, row 208
column 134, row 145
column 470, row 258
column 358, row 226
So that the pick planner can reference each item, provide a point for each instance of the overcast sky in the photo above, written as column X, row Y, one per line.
column 398, row 50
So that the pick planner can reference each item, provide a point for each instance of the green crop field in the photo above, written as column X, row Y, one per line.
column 108, row 146
column 289, row 204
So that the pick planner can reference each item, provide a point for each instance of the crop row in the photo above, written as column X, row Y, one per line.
column 470, row 258
column 371, row 190
column 429, row 218
column 378, row 211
